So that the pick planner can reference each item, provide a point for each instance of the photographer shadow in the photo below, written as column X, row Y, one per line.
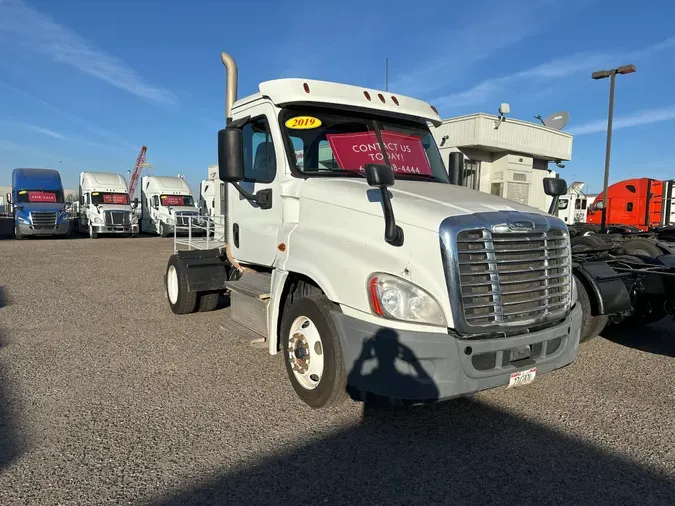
column 386, row 365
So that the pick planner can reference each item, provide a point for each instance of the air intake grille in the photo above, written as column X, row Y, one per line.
column 117, row 218
column 43, row 219
column 513, row 278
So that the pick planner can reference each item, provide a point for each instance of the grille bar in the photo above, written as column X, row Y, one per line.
column 118, row 218
column 514, row 277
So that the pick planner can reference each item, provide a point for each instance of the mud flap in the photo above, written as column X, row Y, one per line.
column 606, row 288
column 206, row 270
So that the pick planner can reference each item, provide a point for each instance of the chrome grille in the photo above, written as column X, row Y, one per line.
column 513, row 278
column 183, row 220
column 117, row 218
column 43, row 219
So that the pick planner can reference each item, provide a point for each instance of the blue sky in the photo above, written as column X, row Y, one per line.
column 83, row 85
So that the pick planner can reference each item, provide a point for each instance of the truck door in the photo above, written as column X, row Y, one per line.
column 253, row 230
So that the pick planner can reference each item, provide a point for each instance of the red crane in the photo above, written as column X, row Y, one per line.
column 140, row 163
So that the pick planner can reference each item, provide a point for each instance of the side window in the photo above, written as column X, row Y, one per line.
column 155, row 201
column 260, row 162
column 562, row 204
column 629, row 207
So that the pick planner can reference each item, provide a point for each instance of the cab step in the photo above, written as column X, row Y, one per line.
column 249, row 298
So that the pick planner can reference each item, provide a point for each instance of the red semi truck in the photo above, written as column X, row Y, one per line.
column 642, row 203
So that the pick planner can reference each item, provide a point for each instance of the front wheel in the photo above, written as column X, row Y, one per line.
column 17, row 235
column 92, row 232
column 312, row 352
column 162, row 230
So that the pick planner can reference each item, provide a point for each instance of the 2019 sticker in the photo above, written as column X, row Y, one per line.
column 303, row 123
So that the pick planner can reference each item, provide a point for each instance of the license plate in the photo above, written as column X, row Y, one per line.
column 521, row 378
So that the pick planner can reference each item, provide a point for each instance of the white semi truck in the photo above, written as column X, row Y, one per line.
column 104, row 206
column 166, row 202
column 365, row 267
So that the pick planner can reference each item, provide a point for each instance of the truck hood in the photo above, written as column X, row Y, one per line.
column 183, row 209
column 416, row 203
column 112, row 207
column 41, row 206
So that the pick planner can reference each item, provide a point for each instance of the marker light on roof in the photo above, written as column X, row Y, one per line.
column 306, row 86
column 366, row 94
column 434, row 109
column 394, row 99
column 381, row 97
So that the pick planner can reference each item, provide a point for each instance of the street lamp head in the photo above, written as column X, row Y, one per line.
column 626, row 69
column 601, row 74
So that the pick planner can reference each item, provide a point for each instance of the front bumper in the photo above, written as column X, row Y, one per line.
column 412, row 366
column 116, row 229
column 25, row 229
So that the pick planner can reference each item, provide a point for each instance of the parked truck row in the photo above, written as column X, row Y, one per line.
column 103, row 206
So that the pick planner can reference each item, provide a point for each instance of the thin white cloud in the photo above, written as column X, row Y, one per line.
column 639, row 118
column 111, row 138
column 36, row 32
column 50, row 133
column 554, row 69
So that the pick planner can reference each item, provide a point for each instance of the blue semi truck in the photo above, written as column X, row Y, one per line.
column 38, row 203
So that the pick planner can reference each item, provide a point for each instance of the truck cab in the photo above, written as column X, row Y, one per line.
column 166, row 202
column 104, row 206
column 38, row 203
column 363, row 265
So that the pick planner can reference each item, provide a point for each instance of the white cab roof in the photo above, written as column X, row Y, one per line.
column 171, row 185
column 103, row 181
column 292, row 90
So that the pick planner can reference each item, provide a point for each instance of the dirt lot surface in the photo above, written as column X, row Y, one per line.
column 106, row 397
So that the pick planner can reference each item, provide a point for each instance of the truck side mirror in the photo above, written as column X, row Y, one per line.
column 9, row 198
column 456, row 168
column 382, row 177
column 231, row 155
column 136, row 202
column 554, row 187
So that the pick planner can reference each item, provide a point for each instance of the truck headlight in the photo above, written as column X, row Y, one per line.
column 397, row 299
column 23, row 220
column 98, row 220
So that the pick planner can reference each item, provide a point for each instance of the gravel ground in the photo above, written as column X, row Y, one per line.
column 106, row 397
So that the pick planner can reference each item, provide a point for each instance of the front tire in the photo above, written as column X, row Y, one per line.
column 180, row 299
column 17, row 234
column 312, row 352
column 92, row 233
column 162, row 230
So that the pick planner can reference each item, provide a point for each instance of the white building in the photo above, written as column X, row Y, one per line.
column 508, row 158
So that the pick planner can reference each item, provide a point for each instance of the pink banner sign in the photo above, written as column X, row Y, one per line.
column 41, row 197
column 354, row 151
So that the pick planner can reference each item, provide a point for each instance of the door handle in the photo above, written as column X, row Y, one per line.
column 235, row 234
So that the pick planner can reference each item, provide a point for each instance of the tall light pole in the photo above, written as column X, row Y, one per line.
column 601, row 74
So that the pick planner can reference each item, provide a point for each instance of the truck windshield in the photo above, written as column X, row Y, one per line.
column 31, row 196
column 98, row 198
column 329, row 143
column 176, row 200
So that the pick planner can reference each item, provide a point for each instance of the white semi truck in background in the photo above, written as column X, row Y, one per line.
column 167, row 202
column 367, row 269
column 104, row 207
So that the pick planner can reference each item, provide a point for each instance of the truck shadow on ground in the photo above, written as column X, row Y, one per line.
column 656, row 338
column 455, row 452
column 11, row 445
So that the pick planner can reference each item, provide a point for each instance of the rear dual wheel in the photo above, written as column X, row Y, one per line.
column 181, row 300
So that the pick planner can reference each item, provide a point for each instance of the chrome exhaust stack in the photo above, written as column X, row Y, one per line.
column 231, row 80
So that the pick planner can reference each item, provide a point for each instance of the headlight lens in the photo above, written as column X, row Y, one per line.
column 397, row 299
column 98, row 220
column 21, row 219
